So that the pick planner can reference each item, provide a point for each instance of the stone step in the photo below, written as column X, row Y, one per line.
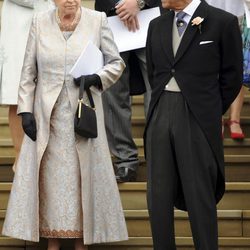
column 138, row 106
column 237, row 195
column 236, row 147
column 246, row 223
column 133, row 196
column 4, row 128
column 228, row 159
column 138, row 124
column 230, row 223
column 134, row 243
column 237, row 168
column 3, row 111
column 231, row 147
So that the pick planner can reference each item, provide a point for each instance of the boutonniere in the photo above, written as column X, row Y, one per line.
column 197, row 22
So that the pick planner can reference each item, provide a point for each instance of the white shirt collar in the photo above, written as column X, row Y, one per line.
column 191, row 8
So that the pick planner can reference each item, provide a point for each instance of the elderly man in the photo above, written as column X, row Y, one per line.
column 194, row 59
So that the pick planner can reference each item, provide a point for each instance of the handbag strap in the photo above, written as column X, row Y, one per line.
column 81, row 90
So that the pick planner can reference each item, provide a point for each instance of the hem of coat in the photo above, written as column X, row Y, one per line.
column 18, row 237
column 106, row 241
column 7, row 103
column 85, row 242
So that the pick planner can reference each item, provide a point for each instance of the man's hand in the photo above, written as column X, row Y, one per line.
column 132, row 24
column 127, row 9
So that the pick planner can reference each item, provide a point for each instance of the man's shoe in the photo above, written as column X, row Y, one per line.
column 125, row 174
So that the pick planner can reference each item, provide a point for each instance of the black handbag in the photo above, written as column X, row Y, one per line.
column 85, row 122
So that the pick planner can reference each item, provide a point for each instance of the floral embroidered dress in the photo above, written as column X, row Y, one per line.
column 60, row 182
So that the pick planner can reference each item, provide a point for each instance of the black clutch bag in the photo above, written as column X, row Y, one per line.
column 85, row 122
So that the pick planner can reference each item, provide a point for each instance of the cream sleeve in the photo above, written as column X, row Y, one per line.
column 113, row 63
column 27, row 87
column 24, row 3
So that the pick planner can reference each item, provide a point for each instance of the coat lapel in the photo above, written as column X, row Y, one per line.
column 166, row 37
column 191, row 31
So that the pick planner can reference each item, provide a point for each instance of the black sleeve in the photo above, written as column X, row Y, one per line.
column 105, row 5
column 150, row 67
column 231, row 72
column 155, row 3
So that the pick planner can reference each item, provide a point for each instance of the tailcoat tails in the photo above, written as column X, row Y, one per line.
column 207, row 68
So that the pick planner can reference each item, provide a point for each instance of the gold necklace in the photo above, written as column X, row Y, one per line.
column 70, row 26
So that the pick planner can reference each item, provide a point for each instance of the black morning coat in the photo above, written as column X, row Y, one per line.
column 209, row 75
column 137, row 85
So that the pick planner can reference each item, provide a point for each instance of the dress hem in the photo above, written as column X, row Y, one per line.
column 46, row 233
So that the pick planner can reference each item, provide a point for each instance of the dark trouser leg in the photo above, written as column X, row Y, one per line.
column 162, row 178
column 117, row 113
column 141, row 54
column 174, row 136
column 198, row 174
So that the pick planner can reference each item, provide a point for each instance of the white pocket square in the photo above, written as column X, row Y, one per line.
column 205, row 42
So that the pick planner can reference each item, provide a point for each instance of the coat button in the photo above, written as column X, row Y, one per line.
column 172, row 71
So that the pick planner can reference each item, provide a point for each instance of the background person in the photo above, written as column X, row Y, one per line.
column 235, row 7
column 117, row 101
column 16, row 19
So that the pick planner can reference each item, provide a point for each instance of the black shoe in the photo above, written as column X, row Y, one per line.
column 125, row 174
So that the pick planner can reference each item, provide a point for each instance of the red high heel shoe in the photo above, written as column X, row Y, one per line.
column 234, row 135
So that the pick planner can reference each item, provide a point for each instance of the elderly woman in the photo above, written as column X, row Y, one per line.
column 16, row 17
column 64, row 186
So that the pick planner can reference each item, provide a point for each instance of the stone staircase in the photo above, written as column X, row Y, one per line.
column 233, row 210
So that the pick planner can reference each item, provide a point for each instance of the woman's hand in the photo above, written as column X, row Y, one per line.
column 89, row 80
column 29, row 125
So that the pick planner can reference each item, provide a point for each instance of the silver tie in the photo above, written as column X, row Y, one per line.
column 180, row 22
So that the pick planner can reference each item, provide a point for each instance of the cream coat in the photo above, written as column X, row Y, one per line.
column 16, row 17
column 103, row 219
